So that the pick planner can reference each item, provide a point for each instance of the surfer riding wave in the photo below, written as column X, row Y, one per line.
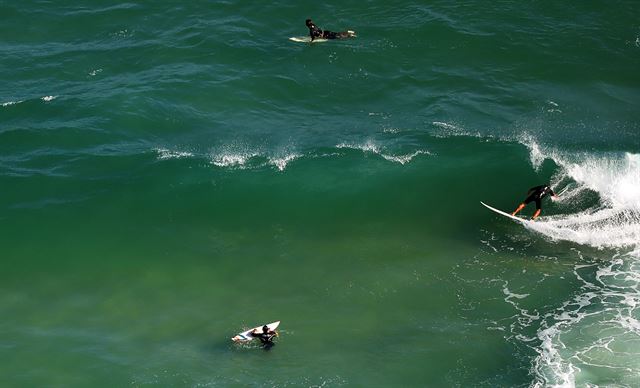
column 536, row 194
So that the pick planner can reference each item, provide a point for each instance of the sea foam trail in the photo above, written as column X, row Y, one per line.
column 596, row 332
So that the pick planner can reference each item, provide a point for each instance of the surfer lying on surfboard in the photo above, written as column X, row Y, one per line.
column 536, row 194
column 317, row 33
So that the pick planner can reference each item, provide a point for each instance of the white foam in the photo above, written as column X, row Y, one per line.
column 232, row 159
column 445, row 125
column 510, row 294
column 164, row 153
column 450, row 130
column 550, row 369
column 48, row 98
column 602, row 228
column 282, row 162
column 617, row 180
column 615, row 221
column 122, row 34
column 553, row 107
column 9, row 103
column 536, row 156
column 598, row 328
column 371, row 147
column 404, row 159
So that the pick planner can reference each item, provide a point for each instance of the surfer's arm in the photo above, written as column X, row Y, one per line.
column 315, row 32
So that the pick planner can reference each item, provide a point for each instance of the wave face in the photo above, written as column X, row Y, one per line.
column 172, row 173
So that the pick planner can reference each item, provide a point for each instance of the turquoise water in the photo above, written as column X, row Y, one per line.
column 174, row 173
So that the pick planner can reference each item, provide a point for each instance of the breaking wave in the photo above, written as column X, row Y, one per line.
column 371, row 147
column 613, row 219
column 597, row 331
column 244, row 158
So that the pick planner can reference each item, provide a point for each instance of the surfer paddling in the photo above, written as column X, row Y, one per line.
column 536, row 194
column 317, row 33
column 266, row 336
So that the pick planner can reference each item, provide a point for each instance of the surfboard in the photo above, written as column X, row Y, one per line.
column 508, row 215
column 563, row 191
column 246, row 336
column 306, row 39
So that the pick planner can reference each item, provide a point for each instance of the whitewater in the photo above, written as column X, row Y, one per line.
column 597, row 331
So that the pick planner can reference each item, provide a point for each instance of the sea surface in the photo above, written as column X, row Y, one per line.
column 175, row 172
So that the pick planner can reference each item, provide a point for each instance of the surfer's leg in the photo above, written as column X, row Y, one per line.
column 267, row 346
column 538, row 209
column 522, row 205
column 330, row 35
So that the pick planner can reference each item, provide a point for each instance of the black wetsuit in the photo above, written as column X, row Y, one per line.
column 317, row 33
column 537, row 193
column 265, row 338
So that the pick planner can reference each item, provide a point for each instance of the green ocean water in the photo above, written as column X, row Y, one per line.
column 174, row 173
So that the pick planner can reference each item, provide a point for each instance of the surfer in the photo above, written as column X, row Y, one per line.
column 317, row 33
column 266, row 337
column 536, row 194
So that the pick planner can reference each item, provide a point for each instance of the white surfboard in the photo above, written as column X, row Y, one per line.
column 246, row 336
column 518, row 219
column 306, row 39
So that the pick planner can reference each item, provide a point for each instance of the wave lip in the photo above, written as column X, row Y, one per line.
column 164, row 154
column 404, row 159
column 370, row 147
column 9, row 103
column 232, row 159
column 446, row 130
column 281, row 162
column 244, row 158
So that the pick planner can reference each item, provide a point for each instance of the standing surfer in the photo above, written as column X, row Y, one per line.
column 317, row 33
column 536, row 194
